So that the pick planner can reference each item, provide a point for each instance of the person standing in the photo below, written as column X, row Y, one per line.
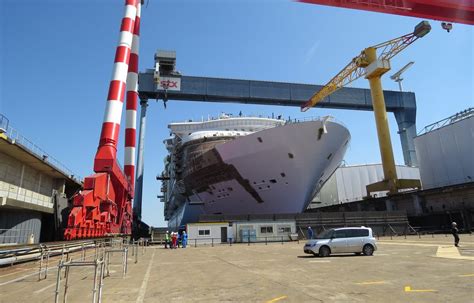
column 167, row 239
column 455, row 231
column 184, row 240
column 173, row 240
column 310, row 232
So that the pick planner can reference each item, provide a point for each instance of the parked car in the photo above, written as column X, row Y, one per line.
column 358, row 240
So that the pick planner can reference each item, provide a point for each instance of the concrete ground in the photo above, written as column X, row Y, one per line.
column 429, row 269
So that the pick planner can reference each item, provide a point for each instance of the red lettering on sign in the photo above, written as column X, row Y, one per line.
column 169, row 84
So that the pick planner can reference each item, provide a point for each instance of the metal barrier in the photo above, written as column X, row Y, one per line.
column 23, row 253
column 101, row 260
column 273, row 239
column 98, row 264
column 103, row 250
column 124, row 252
column 246, row 240
column 44, row 251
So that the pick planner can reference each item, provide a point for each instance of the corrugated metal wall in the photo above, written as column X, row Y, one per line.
column 17, row 226
column 349, row 183
column 446, row 155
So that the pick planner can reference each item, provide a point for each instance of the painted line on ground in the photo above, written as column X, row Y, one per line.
column 451, row 252
column 277, row 299
column 408, row 244
column 246, row 261
column 371, row 283
column 408, row 289
column 79, row 272
column 16, row 272
column 191, row 262
column 141, row 293
column 468, row 275
column 26, row 276
column 44, row 288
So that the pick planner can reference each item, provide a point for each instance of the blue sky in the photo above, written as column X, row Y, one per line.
column 56, row 60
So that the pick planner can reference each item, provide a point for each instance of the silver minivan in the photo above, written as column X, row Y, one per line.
column 358, row 240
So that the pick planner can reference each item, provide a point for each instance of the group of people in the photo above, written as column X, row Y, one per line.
column 175, row 239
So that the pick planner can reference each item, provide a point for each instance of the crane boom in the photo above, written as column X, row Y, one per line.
column 348, row 74
column 357, row 67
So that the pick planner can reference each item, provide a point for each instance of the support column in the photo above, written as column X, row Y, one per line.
column 20, row 186
column 137, row 201
column 417, row 205
column 389, row 205
column 381, row 121
column 406, row 120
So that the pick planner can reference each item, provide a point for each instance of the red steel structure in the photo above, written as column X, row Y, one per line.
column 458, row 11
column 104, row 206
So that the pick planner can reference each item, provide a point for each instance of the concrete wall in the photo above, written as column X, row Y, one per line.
column 23, row 184
column 17, row 226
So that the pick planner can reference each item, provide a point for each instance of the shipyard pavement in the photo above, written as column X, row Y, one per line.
column 426, row 269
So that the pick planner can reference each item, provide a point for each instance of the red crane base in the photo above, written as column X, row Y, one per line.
column 102, row 208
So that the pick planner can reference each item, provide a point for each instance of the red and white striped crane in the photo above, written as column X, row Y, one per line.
column 104, row 206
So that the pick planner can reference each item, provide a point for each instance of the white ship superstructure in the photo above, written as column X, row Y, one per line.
column 248, row 165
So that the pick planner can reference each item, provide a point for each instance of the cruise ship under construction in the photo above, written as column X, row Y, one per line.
column 248, row 165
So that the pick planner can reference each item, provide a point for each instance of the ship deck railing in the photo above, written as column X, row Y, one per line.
column 288, row 119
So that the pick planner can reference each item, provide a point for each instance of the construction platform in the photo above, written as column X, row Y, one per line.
column 416, row 269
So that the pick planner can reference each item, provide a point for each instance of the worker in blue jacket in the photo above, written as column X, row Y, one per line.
column 310, row 233
column 184, row 239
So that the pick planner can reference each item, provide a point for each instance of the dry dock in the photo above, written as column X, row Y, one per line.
column 426, row 269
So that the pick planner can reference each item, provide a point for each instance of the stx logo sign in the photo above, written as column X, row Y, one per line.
column 169, row 83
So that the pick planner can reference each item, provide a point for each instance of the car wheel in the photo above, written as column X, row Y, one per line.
column 324, row 251
column 368, row 250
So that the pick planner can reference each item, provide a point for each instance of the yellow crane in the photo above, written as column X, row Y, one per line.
column 372, row 67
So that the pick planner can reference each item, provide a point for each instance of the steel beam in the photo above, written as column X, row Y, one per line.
column 206, row 89
column 137, row 201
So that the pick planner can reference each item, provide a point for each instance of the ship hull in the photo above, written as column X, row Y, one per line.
column 277, row 170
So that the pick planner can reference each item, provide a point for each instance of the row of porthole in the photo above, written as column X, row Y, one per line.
column 274, row 181
column 244, row 130
column 220, row 190
column 215, row 134
column 228, row 189
column 283, row 175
